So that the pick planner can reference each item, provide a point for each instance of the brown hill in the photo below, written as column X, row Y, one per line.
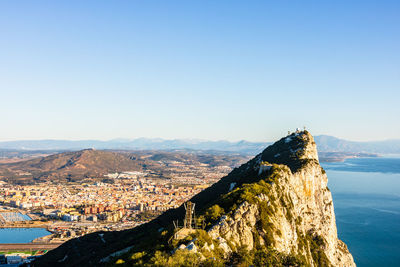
column 71, row 166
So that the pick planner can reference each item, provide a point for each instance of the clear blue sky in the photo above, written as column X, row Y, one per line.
column 199, row 69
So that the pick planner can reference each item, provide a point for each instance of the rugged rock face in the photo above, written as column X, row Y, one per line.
column 304, row 195
column 276, row 207
column 301, row 203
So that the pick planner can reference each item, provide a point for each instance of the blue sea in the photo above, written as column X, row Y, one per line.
column 366, row 196
column 21, row 235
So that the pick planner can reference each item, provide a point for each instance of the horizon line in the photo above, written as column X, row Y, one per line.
column 180, row 139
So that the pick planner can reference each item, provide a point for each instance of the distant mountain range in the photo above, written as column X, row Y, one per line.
column 325, row 143
column 136, row 144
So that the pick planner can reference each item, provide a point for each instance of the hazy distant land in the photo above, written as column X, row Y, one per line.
column 325, row 143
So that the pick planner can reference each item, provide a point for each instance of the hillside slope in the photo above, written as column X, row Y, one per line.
column 274, row 210
column 70, row 166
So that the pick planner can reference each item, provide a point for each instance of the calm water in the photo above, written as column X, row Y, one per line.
column 21, row 235
column 366, row 195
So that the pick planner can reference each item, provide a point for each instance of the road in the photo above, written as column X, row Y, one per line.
column 28, row 246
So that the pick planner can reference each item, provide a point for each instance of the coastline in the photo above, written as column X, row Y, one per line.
column 326, row 157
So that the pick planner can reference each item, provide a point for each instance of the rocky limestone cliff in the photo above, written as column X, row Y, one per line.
column 274, row 210
column 302, row 218
column 302, row 193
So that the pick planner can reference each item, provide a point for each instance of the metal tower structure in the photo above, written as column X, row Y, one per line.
column 189, row 207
